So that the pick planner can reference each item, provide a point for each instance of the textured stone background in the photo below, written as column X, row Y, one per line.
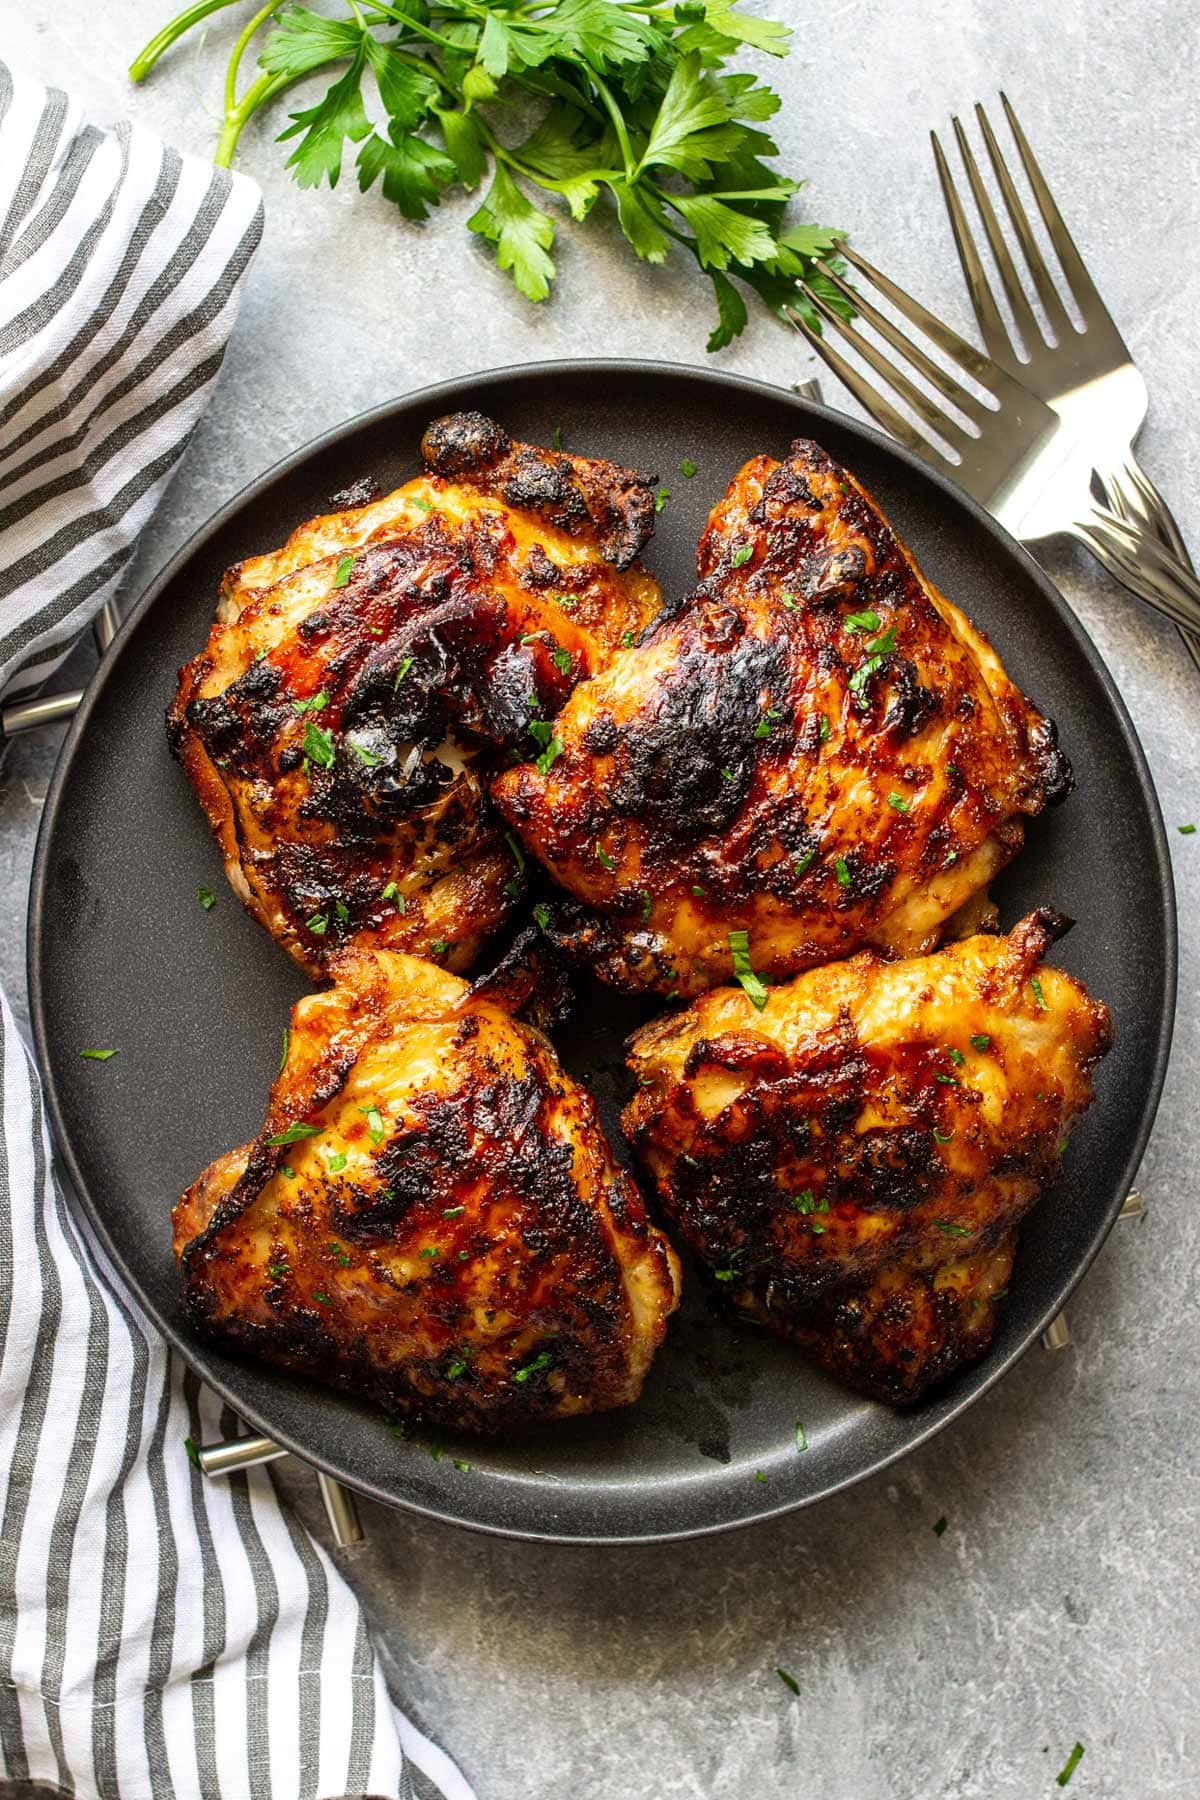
column 1060, row 1603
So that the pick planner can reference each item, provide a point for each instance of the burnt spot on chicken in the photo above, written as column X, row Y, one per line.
column 686, row 761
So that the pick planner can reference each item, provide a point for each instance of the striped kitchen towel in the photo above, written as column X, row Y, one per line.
column 160, row 1635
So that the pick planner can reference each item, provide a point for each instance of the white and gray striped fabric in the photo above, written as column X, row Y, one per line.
column 162, row 1637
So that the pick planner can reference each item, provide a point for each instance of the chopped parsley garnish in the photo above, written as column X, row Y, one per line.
column 862, row 621
column 799, row 867
column 898, row 803
column 627, row 639
column 646, row 905
column 661, row 498
column 687, row 468
column 389, row 892
column 940, row 1525
column 322, row 1300
column 763, row 728
column 280, row 1270
column 342, row 910
column 369, row 758
column 568, row 602
column 942, row 1137
column 877, row 649
column 318, row 924
column 956, row 1056
column 207, row 898
column 789, row 1681
column 741, row 555
column 542, row 1360
column 318, row 746
column 946, row 1080
column 287, row 1173
column 801, row 1437
column 753, row 986
column 453, row 1212
column 759, row 1476
column 335, row 1162
column 803, row 1202
column 99, row 1055
column 561, row 660
column 949, row 1229
column 1186, row 830
column 193, row 1455
column 823, row 729
column 603, row 857
column 549, row 756
column 1038, row 995
column 727, row 774
column 429, row 1251
column 338, row 1252
column 425, row 505
column 1069, row 1767
column 541, row 914
column 439, row 946
column 841, row 869
column 315, row 703
column 374, row 1123
column 292, row 1134
column 458, row 1367
column 728, row 1273
column 981, row 1041
column 402, row 671
column 283, row 1053
column 464, row 1467
column 1060, row 1147
column 789, row 602
column 699, row 891
column 344, row 570
column 556, row 440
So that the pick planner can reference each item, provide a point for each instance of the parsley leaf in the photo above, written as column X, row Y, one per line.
column 521, row 234
column 754, row 987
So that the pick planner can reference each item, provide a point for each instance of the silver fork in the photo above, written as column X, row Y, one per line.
column 1011, row 452
column 1087, row 376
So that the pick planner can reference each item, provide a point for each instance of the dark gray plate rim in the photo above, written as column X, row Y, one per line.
column 447, row 395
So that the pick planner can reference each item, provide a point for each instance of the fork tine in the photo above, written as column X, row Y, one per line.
column 870, row 399
column 1056, row 312
column 981, row 368
column 1022, row 312
column 1078, row 279
column 926, row 409
column 940, row 378
column 995, row 332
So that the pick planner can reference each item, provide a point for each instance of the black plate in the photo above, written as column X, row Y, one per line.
column 121, row 954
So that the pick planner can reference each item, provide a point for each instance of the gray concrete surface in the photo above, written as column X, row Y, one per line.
column 1060, row 1603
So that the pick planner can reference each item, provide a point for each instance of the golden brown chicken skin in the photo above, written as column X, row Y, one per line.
column 430, row 1216
column 362, row 684
column 899, row 1334
column 816, row 749
column 871, row 1116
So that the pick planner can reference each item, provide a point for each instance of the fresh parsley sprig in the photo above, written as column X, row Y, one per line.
column 640, row 113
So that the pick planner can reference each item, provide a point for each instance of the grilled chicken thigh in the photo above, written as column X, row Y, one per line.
column 363, row 683
column 851, row 1159
column 816, row 750
column 430, row 1215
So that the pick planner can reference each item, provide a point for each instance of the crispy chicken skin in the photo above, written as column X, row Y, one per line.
column 852, row 1159
column 816, row 748
column 442, row 1227
column 362, row 684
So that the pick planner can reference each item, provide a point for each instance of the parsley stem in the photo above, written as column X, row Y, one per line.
column 162, row 40
column 614, row 113
column 256, row 95
column 231, row 73
column 400, row 18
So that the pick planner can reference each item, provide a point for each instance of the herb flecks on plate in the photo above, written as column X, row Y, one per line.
column 636, row 111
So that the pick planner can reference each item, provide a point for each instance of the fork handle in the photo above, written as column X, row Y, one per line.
column 1131, row 492
column 1141, row 563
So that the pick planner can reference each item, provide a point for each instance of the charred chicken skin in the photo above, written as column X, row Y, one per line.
column 362, row 684
column 816, row 749
column 851, row 1160
column 430, row 1215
